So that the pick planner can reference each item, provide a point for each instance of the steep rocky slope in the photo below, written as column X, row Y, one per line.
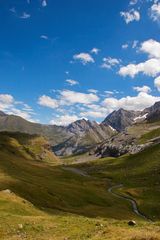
column 86, row 135
column 153, row 113
column 134, row 139
column 121, row 119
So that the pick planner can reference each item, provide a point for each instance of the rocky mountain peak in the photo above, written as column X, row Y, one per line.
column 80, row 126
column 120, row 119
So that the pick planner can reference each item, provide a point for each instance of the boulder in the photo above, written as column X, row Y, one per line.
column 132, row 223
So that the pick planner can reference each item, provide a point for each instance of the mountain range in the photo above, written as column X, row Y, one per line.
column 75, row 138
column 82, row 135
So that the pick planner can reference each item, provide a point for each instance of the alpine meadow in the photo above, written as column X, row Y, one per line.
column 80, row 120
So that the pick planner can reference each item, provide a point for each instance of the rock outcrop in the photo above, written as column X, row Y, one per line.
column 121, row 144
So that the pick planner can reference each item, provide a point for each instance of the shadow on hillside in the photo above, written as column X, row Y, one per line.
column 51, row 187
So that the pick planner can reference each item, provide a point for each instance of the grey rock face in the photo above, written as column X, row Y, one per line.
column 121, row 144
column 85, row 135
column 120, row 119
column 153, row 112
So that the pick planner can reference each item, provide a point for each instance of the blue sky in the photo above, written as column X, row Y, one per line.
column 64, row 60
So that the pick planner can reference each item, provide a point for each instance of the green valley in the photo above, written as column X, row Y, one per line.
column 44, row 200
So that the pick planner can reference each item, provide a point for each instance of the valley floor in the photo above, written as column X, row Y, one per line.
column 46, row 201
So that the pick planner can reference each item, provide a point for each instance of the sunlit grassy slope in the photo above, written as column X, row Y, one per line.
column 22, row 220
column 140, row 175
column 43, row 201
column 150, row 135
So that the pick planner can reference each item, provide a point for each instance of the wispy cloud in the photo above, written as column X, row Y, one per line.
column 64, row 120
column 110, row 62
column 132, row 44
column 44, row 3
column 25, row 15
column 135, row 43
column 130, row 16
column 155, row 11
column 125, row 46
column 93, row 91
column 72, row 82
column 10, row 106
column 95, row 50
column 13, row 10
column 133, row 2
column 45, row 37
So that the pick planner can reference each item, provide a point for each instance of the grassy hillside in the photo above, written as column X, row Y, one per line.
column 31, row 147
column 11, row 123
column 19, row 219
column 149, row 135
column 41, row 200
column 139, row 173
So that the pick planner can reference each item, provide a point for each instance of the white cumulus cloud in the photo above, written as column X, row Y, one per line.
column 151, row 47
column 150, row 67
column 70, row 97
column 145, row 89
column 139, row 102
column 84, row 58
column 47, row 101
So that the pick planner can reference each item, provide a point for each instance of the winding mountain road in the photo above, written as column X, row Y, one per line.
column 129, row 199
column 111, row 190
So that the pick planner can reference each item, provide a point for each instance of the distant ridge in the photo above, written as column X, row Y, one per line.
column 81, row 135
